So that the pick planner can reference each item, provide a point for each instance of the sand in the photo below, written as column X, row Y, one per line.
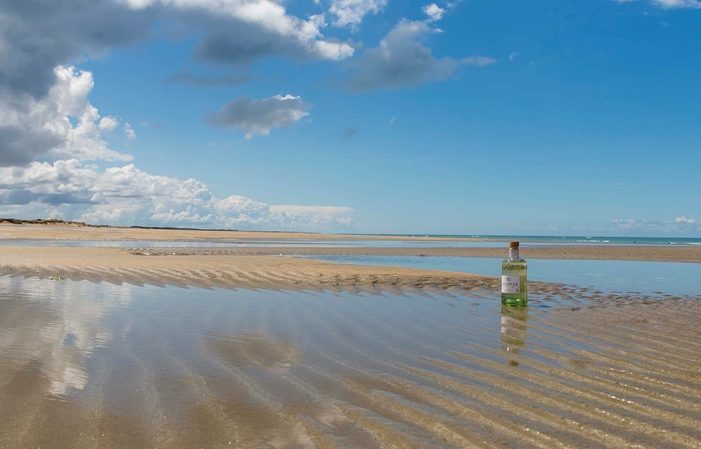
column 48, row 232
column 288, row 352
column 87, row 365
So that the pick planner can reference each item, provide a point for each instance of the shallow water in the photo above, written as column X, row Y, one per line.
column 674, row 278
column 85, row 365
column 296, row 243
column 249, row 243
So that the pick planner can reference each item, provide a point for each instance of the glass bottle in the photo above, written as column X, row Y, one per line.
column 514, row 287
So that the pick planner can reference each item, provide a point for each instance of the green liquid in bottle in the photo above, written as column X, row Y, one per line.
column 514, row 286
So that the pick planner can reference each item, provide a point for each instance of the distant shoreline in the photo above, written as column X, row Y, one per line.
column 262, row 267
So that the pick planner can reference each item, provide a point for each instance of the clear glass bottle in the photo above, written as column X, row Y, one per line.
column 514, row 287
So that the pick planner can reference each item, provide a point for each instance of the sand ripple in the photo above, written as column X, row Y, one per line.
column 97, row 365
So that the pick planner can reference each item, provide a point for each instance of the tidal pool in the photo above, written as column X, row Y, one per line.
column 98, row 365
column 674, row 278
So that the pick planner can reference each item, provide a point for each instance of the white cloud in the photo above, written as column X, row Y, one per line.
column 36, row 36
column 685, row 220
column 315, row 217
column 680, row 225
column 31, row 128
column 258, row 117
column 128, row 196
column 107, row 124
column 478, row 61
column 129, row 131
column 270, row 29
column 670, row 4
column 402, row 60
column 350, row 13
column 513, row 55
column 433, row 11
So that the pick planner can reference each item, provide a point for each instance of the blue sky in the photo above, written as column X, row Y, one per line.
column 373, row 116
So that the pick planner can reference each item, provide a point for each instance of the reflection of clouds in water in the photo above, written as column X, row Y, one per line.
column 58, row 324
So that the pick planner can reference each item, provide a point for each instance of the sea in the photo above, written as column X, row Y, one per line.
column 568, row 240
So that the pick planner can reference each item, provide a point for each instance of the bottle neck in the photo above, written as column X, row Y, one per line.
column 513, row 253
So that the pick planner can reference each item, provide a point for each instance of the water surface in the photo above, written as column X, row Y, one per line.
column 674, row 278
column 92, row 364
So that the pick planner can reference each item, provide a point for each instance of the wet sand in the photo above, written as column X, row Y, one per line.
column 185, row 267
column 86, row 365
column 278, row 240
column 267, row 272
column 98, row 349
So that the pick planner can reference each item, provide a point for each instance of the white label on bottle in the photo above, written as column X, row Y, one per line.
column 511, row 284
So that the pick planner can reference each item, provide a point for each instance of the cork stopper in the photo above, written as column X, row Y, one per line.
column 513, row 245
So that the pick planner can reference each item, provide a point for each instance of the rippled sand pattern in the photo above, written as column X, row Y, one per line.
column 88, row 365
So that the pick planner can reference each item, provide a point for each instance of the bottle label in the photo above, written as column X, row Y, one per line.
column 511, row 284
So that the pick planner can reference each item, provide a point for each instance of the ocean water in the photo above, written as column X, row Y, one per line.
column 674, row 278
column 570, row 240
column 438, row 241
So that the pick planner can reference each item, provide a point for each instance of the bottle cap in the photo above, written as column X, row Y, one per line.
column 513, row 245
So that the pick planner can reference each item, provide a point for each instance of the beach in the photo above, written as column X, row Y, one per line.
column 256, row 347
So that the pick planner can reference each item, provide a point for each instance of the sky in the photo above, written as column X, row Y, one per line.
column 366, row 116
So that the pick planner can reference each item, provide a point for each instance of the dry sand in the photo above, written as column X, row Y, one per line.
column 50, row 232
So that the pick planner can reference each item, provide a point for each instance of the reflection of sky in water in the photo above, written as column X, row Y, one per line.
column 646, row 277
column 130, row 366
column 53, row 323
column 64, row 330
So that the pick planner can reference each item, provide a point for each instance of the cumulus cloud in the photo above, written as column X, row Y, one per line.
column 48, row 128
column 39, row 35
column 350, row 13
column 129, row 196
column 258, row 117
column 243, row 30
column 31, row 128
column 40, row 38
column 680, row 225
column 36, row 36
column 670, row 4
column 433, row 11
column 403, row 60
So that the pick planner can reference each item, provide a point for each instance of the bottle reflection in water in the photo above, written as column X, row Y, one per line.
column 513, row 331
